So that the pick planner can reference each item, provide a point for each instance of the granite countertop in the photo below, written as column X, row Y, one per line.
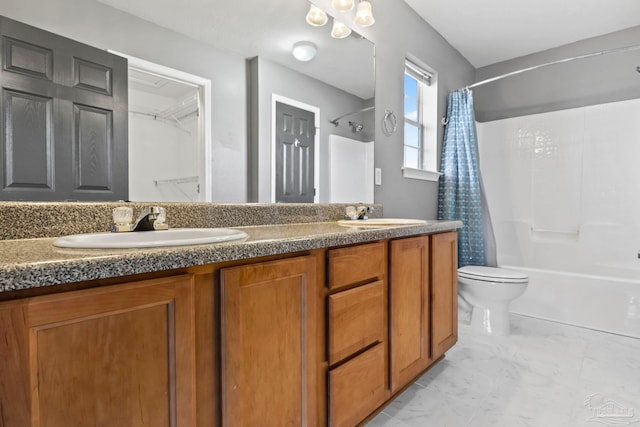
column 33, row 263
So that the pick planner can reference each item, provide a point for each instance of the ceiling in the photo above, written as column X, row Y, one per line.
column 490, row 31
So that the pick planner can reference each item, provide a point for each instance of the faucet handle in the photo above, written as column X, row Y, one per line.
column 122, row 219
column 160, row 222
column 363, row 211
column 350, row 212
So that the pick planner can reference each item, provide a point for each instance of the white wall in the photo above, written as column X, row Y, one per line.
column 563, row 188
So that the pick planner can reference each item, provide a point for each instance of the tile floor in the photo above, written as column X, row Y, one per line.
column 545, row 374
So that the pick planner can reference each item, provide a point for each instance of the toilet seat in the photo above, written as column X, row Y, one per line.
column 492, row 274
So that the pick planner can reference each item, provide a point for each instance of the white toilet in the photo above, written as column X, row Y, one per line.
column 490, row 290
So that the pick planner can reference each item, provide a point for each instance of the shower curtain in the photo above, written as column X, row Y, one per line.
column 461, row 196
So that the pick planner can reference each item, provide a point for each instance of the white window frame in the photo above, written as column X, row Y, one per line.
column 427, row 123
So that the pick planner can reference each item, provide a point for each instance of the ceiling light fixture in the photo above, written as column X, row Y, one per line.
column 364, row 14
column 342, row 5
column 316, row 16
column 304, row 51
column 339, row 30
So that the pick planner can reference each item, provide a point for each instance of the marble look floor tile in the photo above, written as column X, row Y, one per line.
column 544, row 374
column 384, row 420
column 468, row 385
column 419, row 407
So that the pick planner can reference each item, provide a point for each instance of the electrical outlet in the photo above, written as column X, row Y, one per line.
column 378, row 176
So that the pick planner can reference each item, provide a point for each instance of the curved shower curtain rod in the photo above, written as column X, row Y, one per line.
column 335, row 121
column 560, row 61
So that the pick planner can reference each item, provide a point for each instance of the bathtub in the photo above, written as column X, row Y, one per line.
column 605, row 303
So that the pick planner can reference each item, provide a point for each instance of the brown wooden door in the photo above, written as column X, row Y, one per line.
column 444, row 292
column 409, row 324
column 269, row 337
column 113, row 356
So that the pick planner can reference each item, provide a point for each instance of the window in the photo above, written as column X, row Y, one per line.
column 420, row 118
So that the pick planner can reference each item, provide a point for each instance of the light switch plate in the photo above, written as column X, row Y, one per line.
column 378, row 176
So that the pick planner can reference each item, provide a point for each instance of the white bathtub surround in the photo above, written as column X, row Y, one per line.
column 562, row 189
column 604, row 303
column 351, row 170
column 544, row 374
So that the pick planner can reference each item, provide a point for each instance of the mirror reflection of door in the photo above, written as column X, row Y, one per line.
column 294, row 152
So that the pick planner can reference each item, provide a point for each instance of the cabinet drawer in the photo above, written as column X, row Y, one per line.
column 356, row 264
column 357, row 388
column 356, row 319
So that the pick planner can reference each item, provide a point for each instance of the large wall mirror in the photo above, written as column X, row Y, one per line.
column 337, row 85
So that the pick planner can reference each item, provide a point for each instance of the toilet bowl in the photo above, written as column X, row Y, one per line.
column 490, row 290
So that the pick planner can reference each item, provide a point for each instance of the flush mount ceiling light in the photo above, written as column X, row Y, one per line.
column 342, row 5
column 364, row 14
column 304, row 51
column 339, row 30
column 316, row 16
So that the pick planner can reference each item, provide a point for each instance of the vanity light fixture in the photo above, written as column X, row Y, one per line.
column 304, row 51
column 364, row 14
column 342, row 5
column 339, row 30
column 316, row 16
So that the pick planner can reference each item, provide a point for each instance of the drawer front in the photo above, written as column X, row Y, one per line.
column 357, row 388
column 356, row 264
column 356, row 319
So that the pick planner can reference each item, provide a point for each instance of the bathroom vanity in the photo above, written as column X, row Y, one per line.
column 305, row 324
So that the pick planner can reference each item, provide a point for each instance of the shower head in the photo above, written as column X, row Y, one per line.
column 356, row 127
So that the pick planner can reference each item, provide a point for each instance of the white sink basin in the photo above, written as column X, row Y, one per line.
column 150, row 239
column 381, row 222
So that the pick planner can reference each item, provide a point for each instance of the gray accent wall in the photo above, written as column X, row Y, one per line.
column 399, row 32
column 591, row 81
column 268, row 78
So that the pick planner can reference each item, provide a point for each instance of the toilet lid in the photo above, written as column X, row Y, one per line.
column 492, row 274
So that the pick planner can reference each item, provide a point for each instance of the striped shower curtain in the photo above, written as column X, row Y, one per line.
column 460, row 193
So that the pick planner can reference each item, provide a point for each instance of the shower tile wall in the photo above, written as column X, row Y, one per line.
column 564, row 188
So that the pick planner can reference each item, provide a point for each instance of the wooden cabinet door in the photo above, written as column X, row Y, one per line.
column 409, row 322
column 113, row 356
column 269, row 338
column 444, row 292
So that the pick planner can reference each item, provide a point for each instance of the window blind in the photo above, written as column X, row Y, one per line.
column 418, row 73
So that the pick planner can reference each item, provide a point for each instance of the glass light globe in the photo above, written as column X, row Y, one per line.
column 304, row 51
column 316, row 16
column 364, row 14
column 342, row 5
column 339, row 30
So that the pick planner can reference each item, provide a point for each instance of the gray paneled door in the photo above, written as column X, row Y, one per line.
column 63, row 111
column 295, row 154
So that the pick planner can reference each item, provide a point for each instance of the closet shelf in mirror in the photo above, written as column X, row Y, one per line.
column 185, row 108
column 176, row 180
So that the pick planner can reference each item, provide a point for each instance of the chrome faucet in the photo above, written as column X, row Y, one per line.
column 363, row 211
column 151, row 219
